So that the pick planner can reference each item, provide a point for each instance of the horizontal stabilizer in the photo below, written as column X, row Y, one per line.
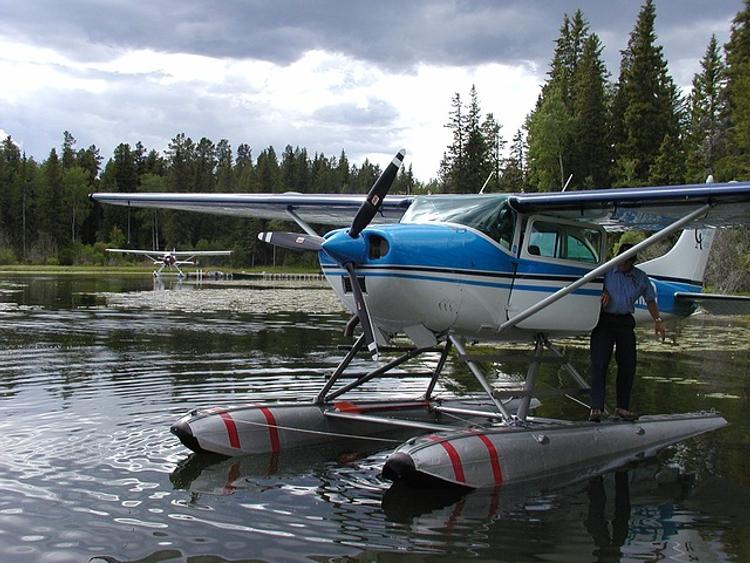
column 715, row 303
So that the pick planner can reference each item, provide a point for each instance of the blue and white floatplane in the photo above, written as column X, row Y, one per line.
column 456, row 269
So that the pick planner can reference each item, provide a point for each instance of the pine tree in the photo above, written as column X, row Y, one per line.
column 244, row 170
column 495, row 149
column 268, row 173
column 591, row 157
column 550, row 130
column 737, row 164
column 224, row 176
column 647, row 103
column 474, row 151
column 75, row 188
column 68, row 153
column 476, row 163
column 669, row 165
column 50, row 203
column 404, row 183
column 513, row 175
column 569, row 118
column 707, row 128
column 343, row 173
column 452, row 164
column 181, row 161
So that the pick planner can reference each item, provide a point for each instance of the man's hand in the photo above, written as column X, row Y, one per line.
column 605, row 298
column 659, row 329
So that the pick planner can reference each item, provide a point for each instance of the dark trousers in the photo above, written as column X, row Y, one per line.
column 613, row 331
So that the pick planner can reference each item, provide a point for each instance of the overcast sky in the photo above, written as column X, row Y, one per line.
column 365, row 77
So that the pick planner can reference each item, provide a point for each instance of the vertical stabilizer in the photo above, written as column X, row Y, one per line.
column 686, row 260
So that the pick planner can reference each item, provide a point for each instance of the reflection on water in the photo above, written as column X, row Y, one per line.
column 93, row 370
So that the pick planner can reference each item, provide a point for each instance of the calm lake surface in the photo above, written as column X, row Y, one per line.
column 94, row 370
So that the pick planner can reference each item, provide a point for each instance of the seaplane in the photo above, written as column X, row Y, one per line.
column 443, row 272
column 171, row 258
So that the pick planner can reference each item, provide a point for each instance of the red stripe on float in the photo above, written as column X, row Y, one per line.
column 497, row 472
column 346, row 406
column 458, row 469
column 273, row 432
column 234, row 437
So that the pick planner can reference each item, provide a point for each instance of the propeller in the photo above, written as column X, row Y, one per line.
column 375, row 196
column 293, row 241
column 348, row 249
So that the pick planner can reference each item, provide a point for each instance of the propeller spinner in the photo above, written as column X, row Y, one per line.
column 348, row 249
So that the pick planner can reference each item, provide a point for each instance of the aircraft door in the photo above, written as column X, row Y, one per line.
column 554, row 253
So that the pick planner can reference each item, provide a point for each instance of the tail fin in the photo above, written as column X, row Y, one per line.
column 686, row 261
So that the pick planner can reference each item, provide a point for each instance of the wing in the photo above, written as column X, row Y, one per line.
column 201, row 253
column 323, row 209
column 648, row 208
column 148, row 253
column 716, row 304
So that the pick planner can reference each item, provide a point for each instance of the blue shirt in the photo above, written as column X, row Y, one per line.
column 625, row 288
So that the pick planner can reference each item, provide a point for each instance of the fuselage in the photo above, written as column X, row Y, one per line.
column 485, row 264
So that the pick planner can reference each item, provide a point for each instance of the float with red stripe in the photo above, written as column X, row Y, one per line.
column 500, row 455
column 276, row 427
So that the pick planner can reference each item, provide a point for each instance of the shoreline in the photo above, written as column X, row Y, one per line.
column 40, row 269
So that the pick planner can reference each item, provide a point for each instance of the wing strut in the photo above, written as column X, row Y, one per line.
column 560, row 293
column 301, row 222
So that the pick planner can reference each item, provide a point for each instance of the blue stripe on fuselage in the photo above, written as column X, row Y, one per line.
column 451, row 247
column 454, row 254
column 462, row 278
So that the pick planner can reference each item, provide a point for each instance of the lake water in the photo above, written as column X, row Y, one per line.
column 94, row 370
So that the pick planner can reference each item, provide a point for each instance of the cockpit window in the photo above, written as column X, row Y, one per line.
column 489, row 214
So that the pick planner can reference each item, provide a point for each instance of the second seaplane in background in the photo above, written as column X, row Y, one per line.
column 171, row 258
column 471, row 268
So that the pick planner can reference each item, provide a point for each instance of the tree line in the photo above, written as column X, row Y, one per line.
column 47, row 216
column 585, row 131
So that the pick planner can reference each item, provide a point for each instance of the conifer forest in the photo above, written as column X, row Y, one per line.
column 591, row 127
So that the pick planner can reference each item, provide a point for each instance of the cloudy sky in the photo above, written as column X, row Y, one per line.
column 365, row 77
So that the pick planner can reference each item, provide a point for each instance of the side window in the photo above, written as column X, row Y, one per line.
column 543, row 241
column 564, row 241
column 577, row 249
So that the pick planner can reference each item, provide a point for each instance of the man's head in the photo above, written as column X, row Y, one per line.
column 628, row 264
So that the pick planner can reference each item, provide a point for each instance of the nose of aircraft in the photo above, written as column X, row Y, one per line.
column 345, row 249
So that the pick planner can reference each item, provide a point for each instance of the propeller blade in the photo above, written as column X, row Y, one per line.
column 376, row 194
column 293, row 241
column 362, row 313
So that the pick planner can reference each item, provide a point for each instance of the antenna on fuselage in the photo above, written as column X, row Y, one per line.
column 568, row 182
column 487, row 181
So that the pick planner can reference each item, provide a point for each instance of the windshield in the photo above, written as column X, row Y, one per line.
column 489, row 214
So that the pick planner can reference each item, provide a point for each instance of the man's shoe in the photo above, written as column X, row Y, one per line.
column 625, row 414
column 596, row 415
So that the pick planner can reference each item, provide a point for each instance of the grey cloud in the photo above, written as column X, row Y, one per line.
column 376, row 113
column 136, row 108
column 388, row 33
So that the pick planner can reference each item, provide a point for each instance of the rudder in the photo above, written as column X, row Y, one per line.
column 686, row 260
